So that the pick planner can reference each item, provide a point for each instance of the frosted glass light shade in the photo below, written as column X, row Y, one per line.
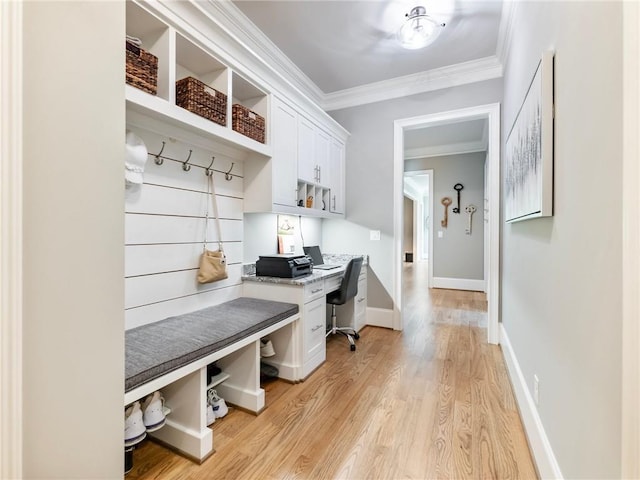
column 419, row 30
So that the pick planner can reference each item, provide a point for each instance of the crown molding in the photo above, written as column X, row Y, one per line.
column 249, row 34
column 460, row 74
column 505, row 31
column 442, row 150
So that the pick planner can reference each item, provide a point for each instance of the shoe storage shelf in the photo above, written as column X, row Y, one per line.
column 180, row 57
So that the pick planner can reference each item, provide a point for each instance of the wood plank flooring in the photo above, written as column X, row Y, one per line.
column 431, row 402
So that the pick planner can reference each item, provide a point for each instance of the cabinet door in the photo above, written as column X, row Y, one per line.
column 285, row 176
column 307, row 171
column 336, row 168
column 322, row 147
column 314, row 335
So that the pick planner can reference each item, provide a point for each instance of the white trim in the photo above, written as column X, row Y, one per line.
column 459, row 284
column 492, row 113
column 450, row 76
column 262, row 45
column 11, row 435
column 429, row 209
column 450, row 149
column 380, row 317
column 543, row 455
column 505, row 31
column 630, row 460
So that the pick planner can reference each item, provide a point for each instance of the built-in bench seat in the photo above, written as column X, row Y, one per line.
column 159, row 348
column 172, row 355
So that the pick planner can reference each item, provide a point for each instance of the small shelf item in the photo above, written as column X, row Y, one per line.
column 217, row 380
column 201, row 99
column 248, row 123
column 142, row 67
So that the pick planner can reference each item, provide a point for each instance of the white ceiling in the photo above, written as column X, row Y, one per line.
column 349, row 46
column 345, row 44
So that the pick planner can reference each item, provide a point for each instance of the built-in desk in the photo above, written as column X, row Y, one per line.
column 309, row 292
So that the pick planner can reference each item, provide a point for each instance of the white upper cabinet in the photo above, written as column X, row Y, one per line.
column 307, row 170
column 322, row 158
column 337, row 179
column 285, row 154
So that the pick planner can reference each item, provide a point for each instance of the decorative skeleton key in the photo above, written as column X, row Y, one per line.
column 446, row 201
column 457, row 187
column 469, row 209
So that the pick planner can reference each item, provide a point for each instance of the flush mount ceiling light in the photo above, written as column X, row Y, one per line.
column 419, row 30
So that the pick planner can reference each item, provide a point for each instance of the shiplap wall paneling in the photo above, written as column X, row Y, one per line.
column 164, row 231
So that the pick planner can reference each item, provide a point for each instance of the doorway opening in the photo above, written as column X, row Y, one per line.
column 490, row 113
column 418, row 188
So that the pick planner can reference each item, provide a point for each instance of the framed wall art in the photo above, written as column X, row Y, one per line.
column 529, row 150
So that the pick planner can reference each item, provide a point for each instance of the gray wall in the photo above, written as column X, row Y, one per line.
column 407, row 236
column 456, row 254
column 73, row 321
column 369, row 172
column 561, row 279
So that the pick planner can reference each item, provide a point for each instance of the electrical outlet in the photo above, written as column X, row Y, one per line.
column 536, row 389
column 440, row 234
column 374, row 235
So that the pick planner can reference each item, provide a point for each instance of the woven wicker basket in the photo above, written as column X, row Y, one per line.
column 142, row 69
column 202, row 100
column 248, row 122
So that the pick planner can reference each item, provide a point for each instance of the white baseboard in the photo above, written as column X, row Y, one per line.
column 541, row 450
column 192, row 443
column 459, row 284
column 242, row 397
column 380, row 317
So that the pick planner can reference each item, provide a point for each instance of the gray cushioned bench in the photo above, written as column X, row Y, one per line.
column 159, row 348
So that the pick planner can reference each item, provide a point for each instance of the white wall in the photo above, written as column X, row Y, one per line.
column 561, row 279
column 73, row 229
column 261, row 234
column 456, row 255
column 164, row 231
column 369, row 175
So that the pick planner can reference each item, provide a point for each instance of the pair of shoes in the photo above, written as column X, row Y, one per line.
column 152, row 411
column 140, row 419
column 266, row 348
column 216, row 406
column 134, row 429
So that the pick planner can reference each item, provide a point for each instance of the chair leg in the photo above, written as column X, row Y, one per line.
column 348, row 332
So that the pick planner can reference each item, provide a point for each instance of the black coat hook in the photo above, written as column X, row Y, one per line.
column 228, row 175
column 208, row 171
column 185, row 165
column 159, row 160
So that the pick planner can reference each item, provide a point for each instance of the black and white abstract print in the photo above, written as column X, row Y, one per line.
column 523, row 168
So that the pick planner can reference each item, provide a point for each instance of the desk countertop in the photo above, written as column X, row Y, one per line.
column 316, row 276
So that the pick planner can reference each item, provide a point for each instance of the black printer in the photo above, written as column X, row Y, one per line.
column 283, row 266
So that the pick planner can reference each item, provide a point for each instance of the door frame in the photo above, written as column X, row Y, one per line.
column 11, row 254
column 491, row 112
column 429, row 208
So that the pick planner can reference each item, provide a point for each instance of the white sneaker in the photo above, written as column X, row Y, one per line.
column 220, row 408
column 134, row 430
column 266, row 348
column 153, row 416
column 211, row 416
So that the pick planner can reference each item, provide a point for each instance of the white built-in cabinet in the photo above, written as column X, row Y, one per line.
column 305, row 176
column 180, row 57
column 337, row 179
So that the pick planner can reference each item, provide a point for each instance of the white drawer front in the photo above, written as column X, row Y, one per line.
column 332, row 284
column 313, row 291
column 314, row 327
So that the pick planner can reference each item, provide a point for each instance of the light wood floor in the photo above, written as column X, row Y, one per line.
column 433, row 401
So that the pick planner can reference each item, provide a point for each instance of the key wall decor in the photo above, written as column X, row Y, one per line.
column 469, row 209
column 458, row 187
column 446, row 201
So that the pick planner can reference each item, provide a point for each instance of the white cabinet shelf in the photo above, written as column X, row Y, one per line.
column 159, row 109
column 218, row 379
column 178, row 58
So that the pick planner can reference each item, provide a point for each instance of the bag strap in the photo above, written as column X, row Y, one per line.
column 211, row 191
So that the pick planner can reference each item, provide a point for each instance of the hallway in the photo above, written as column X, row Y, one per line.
column 433, row 401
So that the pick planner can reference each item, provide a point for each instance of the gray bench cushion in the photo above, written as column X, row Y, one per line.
column 159, row 348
